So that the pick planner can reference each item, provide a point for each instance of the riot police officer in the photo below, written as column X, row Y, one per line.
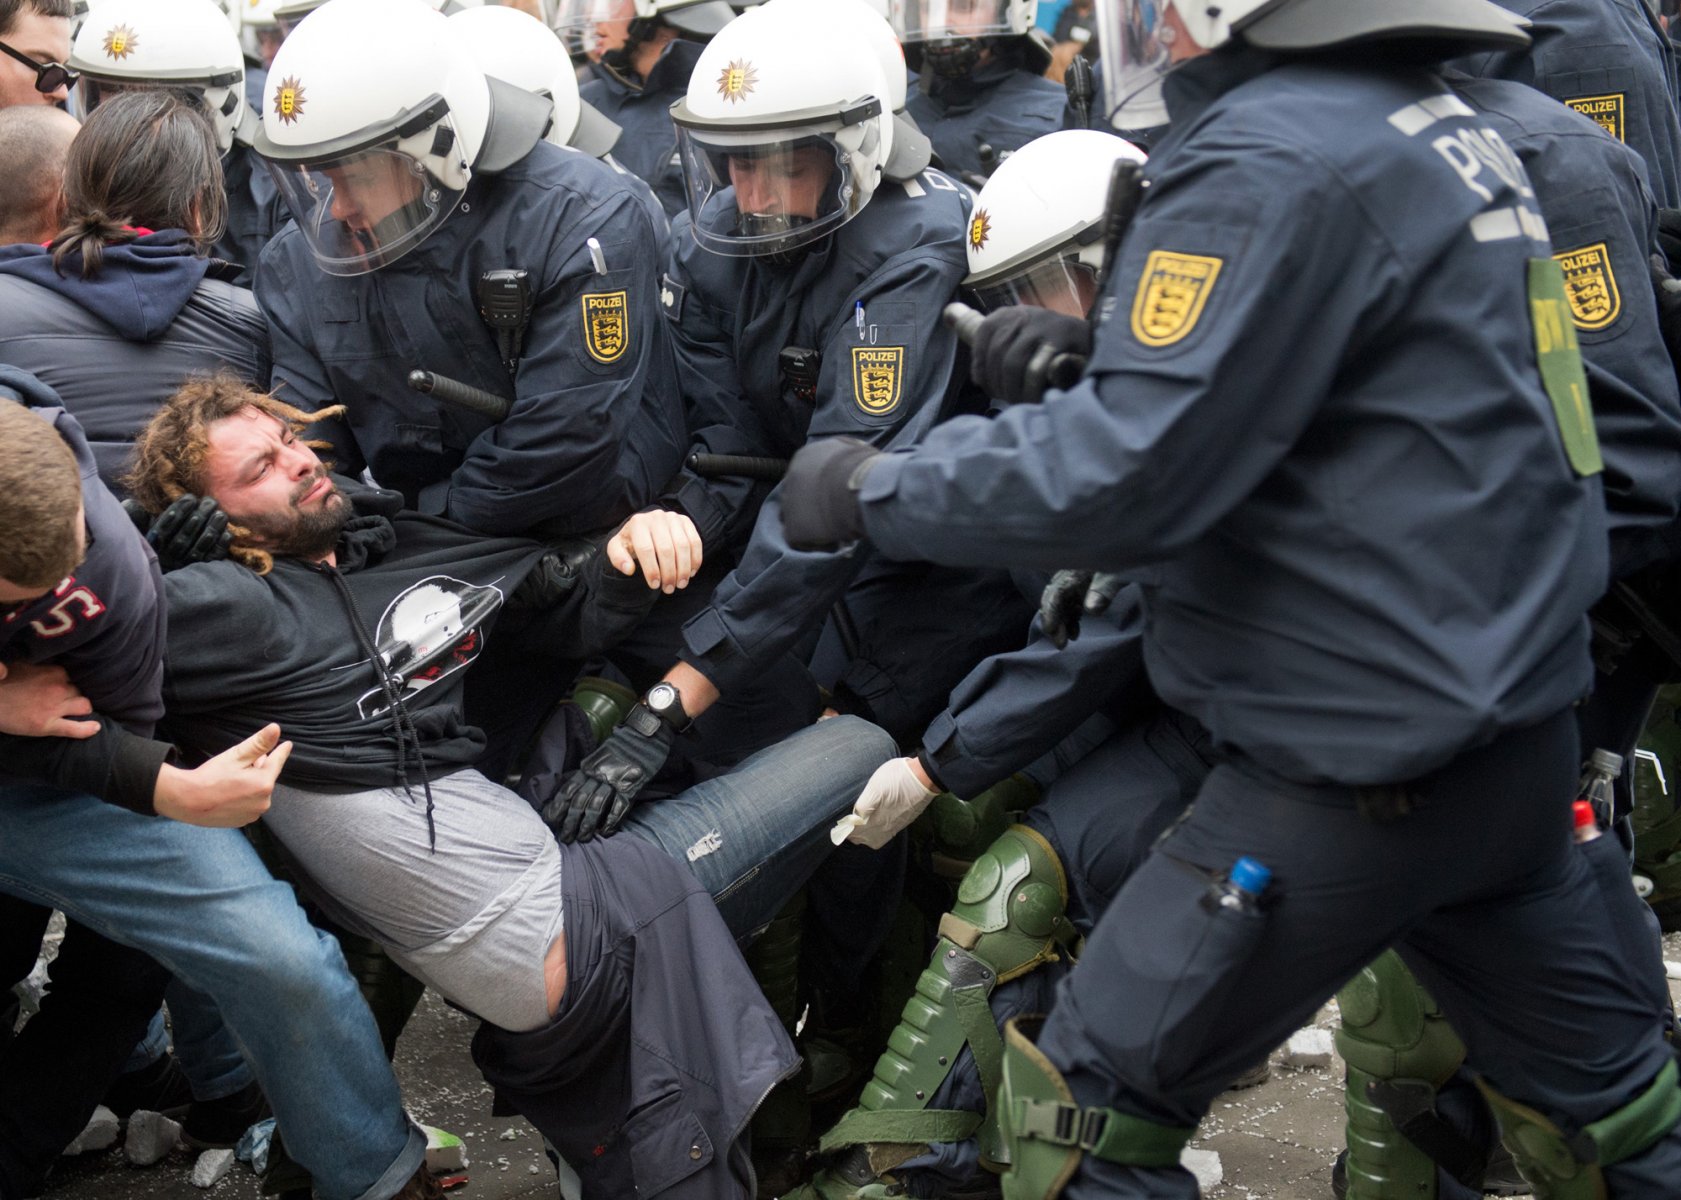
column 1335, row 423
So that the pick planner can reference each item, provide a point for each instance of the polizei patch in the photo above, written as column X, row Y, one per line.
column 1591, row 286
column 1171, row 296
column 1605, row 111
column 878, row 378
column 606, row 325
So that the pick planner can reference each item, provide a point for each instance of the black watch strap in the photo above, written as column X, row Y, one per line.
column 644, row 720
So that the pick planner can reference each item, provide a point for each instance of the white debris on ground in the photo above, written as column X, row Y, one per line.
column 212, row 1166
column 100, row 1133
column 1205, row 1165
column 1308, row 1048
column 151, row 1136
column 445, row 1153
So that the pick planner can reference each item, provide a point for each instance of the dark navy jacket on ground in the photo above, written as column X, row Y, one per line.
column 1001, row 105
column 1609, row 60
column 104, row 624
column 596, row 429
column 115, row 346
column 648, row 147
column 869, row 299
column 1602, row 222
column 1313, row 428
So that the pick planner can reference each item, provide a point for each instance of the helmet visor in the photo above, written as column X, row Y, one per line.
column 94, row 91
column 1065, row 285
column 1139, row 38
column 762, row 200
column 362, row 211
column 589, row 27
column 936, row 20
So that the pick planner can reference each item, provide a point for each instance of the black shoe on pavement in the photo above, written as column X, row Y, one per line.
column 159, row 1087
column 219, row 1124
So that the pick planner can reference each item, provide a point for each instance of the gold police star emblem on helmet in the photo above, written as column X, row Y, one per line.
column 289, row 99
column 735, row 82
column 980, row 228
column 119, row 42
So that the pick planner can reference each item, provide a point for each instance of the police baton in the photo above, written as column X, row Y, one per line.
column 463, row 395
column 1048, row 368
column 737, row 466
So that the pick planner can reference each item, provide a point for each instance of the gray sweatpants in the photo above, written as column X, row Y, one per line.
column 473, row 920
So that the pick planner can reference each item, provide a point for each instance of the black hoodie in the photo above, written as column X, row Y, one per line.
column 293, row 646
column 115, row 345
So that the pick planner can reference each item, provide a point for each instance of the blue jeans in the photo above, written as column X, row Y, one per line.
column 754, row 836
column 201, row 903
column 205, row 1050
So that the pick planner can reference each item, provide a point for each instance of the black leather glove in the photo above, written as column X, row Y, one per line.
column 190, row 530
column 595, row 798
column 1012, row 353
column 1061, row 604
column 553, row 577
column 820, row 493
column 1669, row 236
column 1102, row 592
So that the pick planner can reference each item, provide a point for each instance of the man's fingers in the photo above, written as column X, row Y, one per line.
column 275, row 760
column 619, row 553
column 645, row 553
column 77, row 705
column 258, row 744
column 72, row 729
column 665, row 554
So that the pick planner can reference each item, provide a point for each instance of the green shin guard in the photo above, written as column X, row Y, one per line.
column 1008, row 920
column 603, row 702
column 1571, row 1168
column 1399, row 1051
column 1046, row 1133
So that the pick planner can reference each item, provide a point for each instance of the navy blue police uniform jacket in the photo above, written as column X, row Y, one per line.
column 595, row 431
column 868, row 300
column 1000, row 106
column 1602, row 221
column 1313, row 429
column 1609, row 60
column 648, row 146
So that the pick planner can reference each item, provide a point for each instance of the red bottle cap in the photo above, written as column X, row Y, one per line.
column 1581, row 815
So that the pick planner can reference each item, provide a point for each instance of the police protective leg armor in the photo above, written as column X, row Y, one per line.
column 1008, row 920
column 1046, row 1132
column 1562, row 1167
column 783, row 1122
column 603, row 702
column 1399, row 1051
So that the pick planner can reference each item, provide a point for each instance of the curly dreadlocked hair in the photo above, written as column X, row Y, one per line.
column 170, row 452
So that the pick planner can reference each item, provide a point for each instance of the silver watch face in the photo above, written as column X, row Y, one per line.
column 662, row 697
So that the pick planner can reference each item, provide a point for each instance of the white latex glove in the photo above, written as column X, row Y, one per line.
column 891, row 800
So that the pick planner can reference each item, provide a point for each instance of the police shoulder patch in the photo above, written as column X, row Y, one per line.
column 1606, row 111
column 878, row 378
column 606, row 325
column 1591, row 286
column 1172, row 293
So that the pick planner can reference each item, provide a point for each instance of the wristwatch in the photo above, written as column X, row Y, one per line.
column 666, row 702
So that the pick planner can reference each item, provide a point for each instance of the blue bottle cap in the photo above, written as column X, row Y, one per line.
column 1250, row 875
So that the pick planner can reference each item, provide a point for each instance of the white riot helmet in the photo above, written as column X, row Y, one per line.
column 911, row 148
column 182, row 45
column 257, row 26
column 373, row 120
column 517, row 48
column 1143, row 39
column 582, row 24
column 782, row 137
column 1036, row 235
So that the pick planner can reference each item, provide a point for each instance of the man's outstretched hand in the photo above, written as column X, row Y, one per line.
column 228, row 791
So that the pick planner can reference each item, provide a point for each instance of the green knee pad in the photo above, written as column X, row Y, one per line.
column 1046, row 1132
column 1009, row 919
column 603, row 702
column 1399, row 1051
column 960, row 831
column 1571, row 1168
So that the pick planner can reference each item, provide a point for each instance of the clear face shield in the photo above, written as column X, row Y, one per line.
column 590, row 28
column 1063, row 284
column 942, row 20
column 365, row 209
column 1142, row 40
column 764, row 200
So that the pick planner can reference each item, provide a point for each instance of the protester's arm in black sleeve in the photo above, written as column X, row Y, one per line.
column 115, row 765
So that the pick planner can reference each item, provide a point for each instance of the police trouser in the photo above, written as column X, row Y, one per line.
column 1101, row 817
column 1533, row 951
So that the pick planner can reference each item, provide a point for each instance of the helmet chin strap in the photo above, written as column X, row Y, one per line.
column 617, row 60
column 769, row 225
column 953, row 58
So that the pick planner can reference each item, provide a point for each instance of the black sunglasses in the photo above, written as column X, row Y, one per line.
column 49, row 77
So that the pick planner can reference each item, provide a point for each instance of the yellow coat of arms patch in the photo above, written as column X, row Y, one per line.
column 1591, row 286
column 1171, row 295
column 878, row 378
column 606, row 325
column 1605, row 111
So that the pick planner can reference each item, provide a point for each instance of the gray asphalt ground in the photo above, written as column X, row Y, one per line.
column 1274, row 1142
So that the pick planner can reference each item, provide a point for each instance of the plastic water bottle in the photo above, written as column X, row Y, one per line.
column 1596, row 786
column 1240, row 890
